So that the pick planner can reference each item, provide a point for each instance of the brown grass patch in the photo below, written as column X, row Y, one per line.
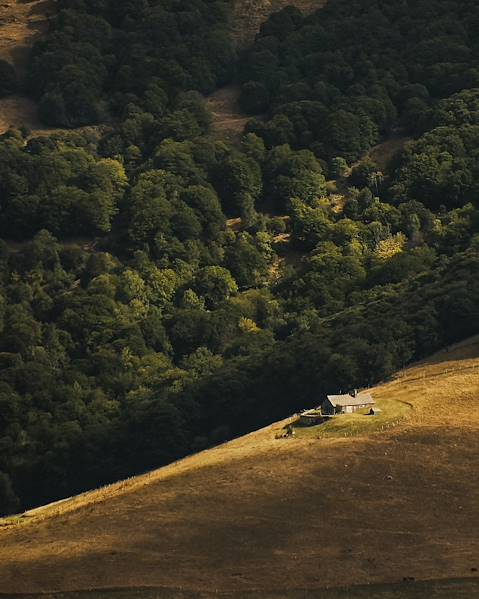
column 18, row 111
column 228, row 121
column 384, row 153
column 21, row 24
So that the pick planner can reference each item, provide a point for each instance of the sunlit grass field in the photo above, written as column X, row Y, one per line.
column 392, row 413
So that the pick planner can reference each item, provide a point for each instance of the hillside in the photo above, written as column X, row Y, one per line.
column 250, row 14
column 22, row 23
column 167, row 286
column 261, row 513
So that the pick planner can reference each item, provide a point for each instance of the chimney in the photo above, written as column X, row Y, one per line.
column 355, row 393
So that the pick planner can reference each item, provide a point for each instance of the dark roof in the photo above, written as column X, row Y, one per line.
column 349, row 400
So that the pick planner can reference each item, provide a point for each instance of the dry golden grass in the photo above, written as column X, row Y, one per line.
column 261, row 513
column 21, row 24
column 392, row 414
column 385, row 152
column 228, row 121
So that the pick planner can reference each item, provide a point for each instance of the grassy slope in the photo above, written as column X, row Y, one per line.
column 450, row 589
column 21, row 24
column 360, row 423
column 272, row 516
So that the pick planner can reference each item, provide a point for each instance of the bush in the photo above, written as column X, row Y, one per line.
column 8, row 79
column 9, row 502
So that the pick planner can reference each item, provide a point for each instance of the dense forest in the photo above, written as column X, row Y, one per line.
column 162, row 291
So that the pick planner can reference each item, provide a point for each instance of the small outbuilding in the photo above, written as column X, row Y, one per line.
column 311, row 417
column 346, row 404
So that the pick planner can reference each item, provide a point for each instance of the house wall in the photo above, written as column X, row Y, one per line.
column 346, row 409
column 327, row 407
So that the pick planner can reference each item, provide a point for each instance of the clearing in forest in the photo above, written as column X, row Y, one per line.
column 19, row 111
column 384, row 153
column 228, row 120
column 261, row 517
column 21, row 24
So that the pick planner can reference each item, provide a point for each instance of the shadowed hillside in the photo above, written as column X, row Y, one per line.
column 228, row 118
column 250, row 14
column 261, row 513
